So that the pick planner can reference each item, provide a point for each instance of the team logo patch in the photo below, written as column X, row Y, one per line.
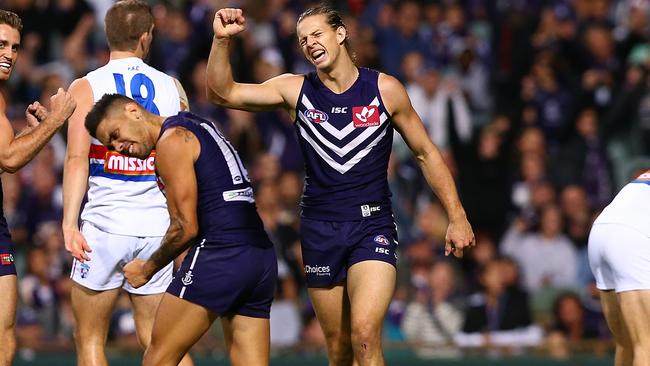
column 380, row 239
column 187, row 279
column 366, row 116
column 6, row 259
column 84, row 269
column 316, row 116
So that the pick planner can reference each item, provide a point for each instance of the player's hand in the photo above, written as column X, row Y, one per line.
column 62, row 106
column 228, row 22
column 134, row 272
column 35, row 114
column 459, row 237
column 76, row 244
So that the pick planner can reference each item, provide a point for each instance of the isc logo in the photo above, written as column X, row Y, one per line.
column 339, row 109
column 382, row 250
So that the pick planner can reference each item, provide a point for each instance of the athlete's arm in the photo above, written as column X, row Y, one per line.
column 176, row 152
column 75, row 170
column 280, row 91
column 16, row 151
column 185, row 102
column 408, row 123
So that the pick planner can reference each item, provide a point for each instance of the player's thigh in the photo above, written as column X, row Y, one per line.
column 177, row 326
column 635, row 309
column 332, row 307
column 614, row 316
column 370, row 285
column 8, row 289
column 247, row 339
column 144, row 313
column 92, row 311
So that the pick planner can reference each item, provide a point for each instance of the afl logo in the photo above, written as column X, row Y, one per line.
column 316, row 116
column 380, row 239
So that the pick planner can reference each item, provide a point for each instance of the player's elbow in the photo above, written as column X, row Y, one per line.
column 220, row 94
column 10, row 164
column 190, row 230
column 214, row 97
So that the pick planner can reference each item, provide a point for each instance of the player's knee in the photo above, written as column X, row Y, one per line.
column 335, row 337
column 157, row 356
column 340, row 353
column 365, row 336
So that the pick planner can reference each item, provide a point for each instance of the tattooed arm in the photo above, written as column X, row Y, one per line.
column 176, row 152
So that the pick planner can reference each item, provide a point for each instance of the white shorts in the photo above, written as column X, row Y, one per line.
column 619, row 257
column 110, row 252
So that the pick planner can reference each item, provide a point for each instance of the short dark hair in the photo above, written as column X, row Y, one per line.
column 101, row 109
column 11, row 19
column 332, row 17
column 125, row 22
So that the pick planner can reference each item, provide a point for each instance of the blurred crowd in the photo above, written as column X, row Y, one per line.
column 541, row 109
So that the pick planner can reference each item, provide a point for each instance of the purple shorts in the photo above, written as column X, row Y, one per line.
column 232, row 280
column 329, row 248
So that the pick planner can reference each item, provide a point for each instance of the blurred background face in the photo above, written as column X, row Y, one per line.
column 412, row 66
column 599, row 42
column 532, row 167
column 407, row 18
column 551, row 221
column 574, row 201
column 570, row 310
column 492, row 278
column 509, row 272
column 587, row 124
column 532, row 140
column 441, row 278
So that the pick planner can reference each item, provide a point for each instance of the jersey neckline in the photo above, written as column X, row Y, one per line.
column 346, row 91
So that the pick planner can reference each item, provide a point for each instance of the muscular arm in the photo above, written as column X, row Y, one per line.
column 435, row 170
column 75, row 168
column 280, row 91
column 176, row 152
column 16, row 151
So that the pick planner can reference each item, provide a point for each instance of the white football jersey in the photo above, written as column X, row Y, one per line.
column 123, row 197
column 631, row 206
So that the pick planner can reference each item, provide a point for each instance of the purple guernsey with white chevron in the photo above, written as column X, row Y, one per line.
column 225, row 202
column 346, row 140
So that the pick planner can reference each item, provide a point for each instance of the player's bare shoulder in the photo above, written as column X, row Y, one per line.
column 175, row 136
column 392, row 93
column 289, row 86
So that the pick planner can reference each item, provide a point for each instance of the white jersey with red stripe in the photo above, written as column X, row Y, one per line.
column 631, row 206
column 123, row 197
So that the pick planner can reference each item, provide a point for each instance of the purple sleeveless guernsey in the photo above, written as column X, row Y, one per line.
column 346, row 141
column 225, row 203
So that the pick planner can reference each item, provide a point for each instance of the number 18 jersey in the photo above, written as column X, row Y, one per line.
column 123, row 197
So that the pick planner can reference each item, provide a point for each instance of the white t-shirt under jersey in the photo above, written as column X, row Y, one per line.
column 123, row 197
